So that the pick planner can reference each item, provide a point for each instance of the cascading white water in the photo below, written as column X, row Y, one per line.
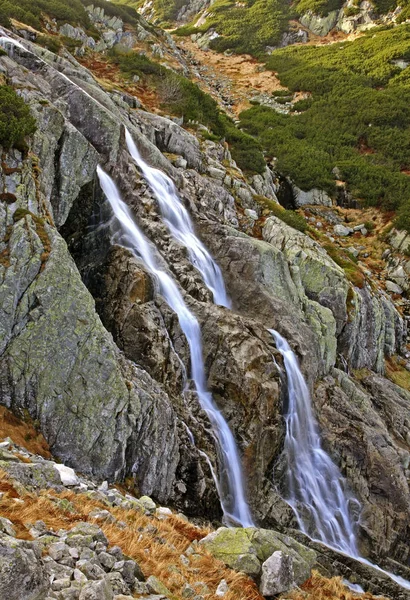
column 180, row 225
column 314, row 482
column 316, row 492
column 231, row 484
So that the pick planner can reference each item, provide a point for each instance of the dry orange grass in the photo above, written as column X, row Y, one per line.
column 157, row 549
column 321, row 588
column 157, row 545
column 23, row 433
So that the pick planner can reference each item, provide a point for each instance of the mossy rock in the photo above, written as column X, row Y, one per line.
column 241, row 549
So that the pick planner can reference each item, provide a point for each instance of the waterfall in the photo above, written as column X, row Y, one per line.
column 179, row 223
column 315, row 487
column 231, row 484
column 314, row 482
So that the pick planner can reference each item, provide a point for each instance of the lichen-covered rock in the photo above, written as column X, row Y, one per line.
column 320, row 25
column 234, row 545
column 21, row 570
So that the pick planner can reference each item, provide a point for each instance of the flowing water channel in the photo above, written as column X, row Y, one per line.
column 315, row 487
column 179, row 223
column 230, row 482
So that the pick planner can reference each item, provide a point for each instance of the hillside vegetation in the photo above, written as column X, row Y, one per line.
column 165, row 10
column 245, row 28
column 182, row 97
column 357, row 119
column 32, row 12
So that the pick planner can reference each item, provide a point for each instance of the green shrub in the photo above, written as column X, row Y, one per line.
column 351, row 11
column 132, row 63
column 290, row 217
column 245, row 28
column 369, row 225
column 280, row 93
column 52, row 43
column 30, row 11
column 318, row 7
column 357, row 118
column 16, row 121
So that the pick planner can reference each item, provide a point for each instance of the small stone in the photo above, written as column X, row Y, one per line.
column 103, row 487
column 252, row 214
column 67, row 475
column 102, row 515
column 163, row 513
column 116, row 552
column 341, row 230
column 184, row 560
column 58, row 550
column 89, row 529
column 155, row 585
column 277, row 574
column 358, row 227
column 79, row 576
column 148, row 504
column 181, row 163
column 217, row 173
column 91, row 570
column 74, row 553
column 79, row 541
column 60, row 584
column 354, row 251
column 128, row 572
column 97, row 590
column 117, row 583
column 393, row 288
column 141, row 588
column 6, row 526
column 222, row 588
column 100, row 547
column 106, row 560
column 86, row 553
column 188, row 591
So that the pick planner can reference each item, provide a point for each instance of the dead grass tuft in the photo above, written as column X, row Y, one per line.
column 321, row 588
column 23, row 433
column 157, row 545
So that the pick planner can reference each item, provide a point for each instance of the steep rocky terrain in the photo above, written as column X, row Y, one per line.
column 93, row 354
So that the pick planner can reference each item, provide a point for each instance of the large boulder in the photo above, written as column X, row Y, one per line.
column 21, row 570
column 247, row 549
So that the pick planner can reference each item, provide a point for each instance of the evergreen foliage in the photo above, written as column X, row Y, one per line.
column 16, row 121
column 30, row 11
column 245, row 29
column 184, row 98
column 357, row 119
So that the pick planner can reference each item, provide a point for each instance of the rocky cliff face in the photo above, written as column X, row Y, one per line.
column 92, row 351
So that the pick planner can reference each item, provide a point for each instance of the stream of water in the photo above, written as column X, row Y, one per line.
column 231, row 484
column 178, row 221
column 315, row 486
